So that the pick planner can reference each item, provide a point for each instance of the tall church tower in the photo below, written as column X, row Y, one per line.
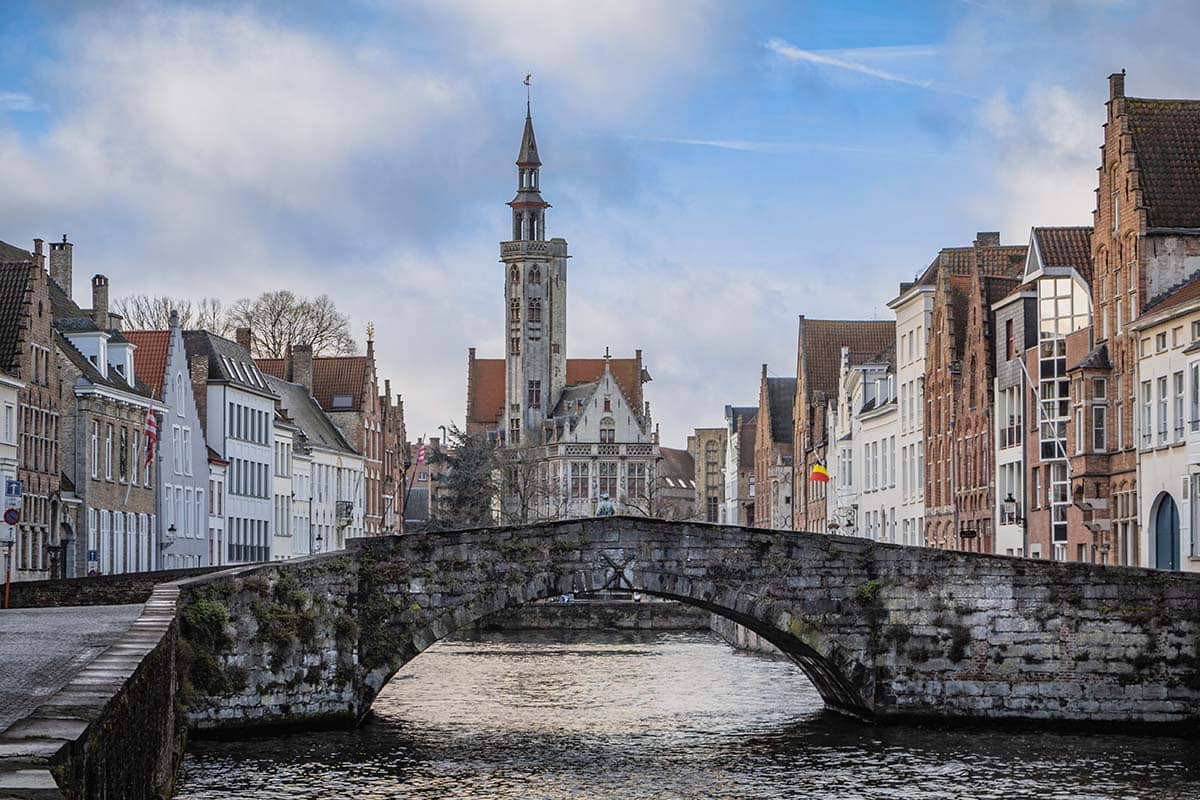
column 535, row 295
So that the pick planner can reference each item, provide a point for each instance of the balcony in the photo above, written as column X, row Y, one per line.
column 608, row 450
column 555, row 248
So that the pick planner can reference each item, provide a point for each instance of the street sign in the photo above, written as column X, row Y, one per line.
column 13, row 487
column 12, row 516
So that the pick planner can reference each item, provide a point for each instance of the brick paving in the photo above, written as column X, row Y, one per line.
column 41, row 648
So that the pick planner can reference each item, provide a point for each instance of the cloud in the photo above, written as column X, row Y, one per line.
column 772, row 148
column 18, row 101
column 836, row 60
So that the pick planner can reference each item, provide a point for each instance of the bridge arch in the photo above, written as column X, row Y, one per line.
column 843, row 679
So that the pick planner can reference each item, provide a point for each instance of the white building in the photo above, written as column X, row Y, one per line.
column 240, row 429
column 739, row 465
column 9, row 387
column 161, row 362
column 331, row 483
column 282, row 499
column 914, row 314
column 863, row 495
column 218, row 469
column 1168, row 403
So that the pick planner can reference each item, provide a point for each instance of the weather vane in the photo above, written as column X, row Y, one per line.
column 528, row 87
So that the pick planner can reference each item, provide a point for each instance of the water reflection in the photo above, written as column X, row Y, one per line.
column 658, row 715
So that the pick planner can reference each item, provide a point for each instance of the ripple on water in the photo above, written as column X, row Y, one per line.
column 542, row 716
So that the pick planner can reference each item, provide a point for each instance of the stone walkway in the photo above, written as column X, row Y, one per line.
column 41, row 648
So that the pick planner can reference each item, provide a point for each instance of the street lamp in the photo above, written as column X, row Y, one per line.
column 319, row 541
column 1009, row 508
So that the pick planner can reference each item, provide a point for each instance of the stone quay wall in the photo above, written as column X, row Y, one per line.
column 101, row 590
column 884, row 632
column 112, row 730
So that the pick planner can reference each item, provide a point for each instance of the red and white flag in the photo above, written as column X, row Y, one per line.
column 151, row 433
column 421, row 453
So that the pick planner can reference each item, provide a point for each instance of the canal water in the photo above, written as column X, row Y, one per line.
column 582, row 715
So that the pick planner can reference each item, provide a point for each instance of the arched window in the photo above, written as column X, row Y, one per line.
column 608, row 430
column 535, row 309
column 179, row 394
column 514, row 310
column 514, row 275
column 535, row 275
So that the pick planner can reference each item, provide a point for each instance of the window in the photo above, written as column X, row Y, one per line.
column 1037, row 488
column 180, row 406
column 514, row 310
column 123, row 455
column 514, row 431
column 711, row 511
column 636, row 480
column 1160, row 342
column 608, row 432
column 134, row 463
column 579, row 480
column 95, row 450
column 535, row 394
column 108, row 451
column 1099, row 430
column 1162, row 409
column 176, row 453
column 1009, row 344
column 1147, row 410
column 514, row 345
column 1177, row 379
column 607, row 476
column 1194, row 417
column 535, row 275
column 535, row 310
column 1079, row 437
column 1196, row 330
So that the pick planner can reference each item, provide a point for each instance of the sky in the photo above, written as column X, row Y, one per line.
column 717, row 168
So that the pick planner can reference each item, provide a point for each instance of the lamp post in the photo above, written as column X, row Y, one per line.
column 319, row 541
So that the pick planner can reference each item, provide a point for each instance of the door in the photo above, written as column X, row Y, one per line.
column 1166, row 534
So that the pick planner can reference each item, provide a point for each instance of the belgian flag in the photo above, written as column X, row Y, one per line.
column 819, row 473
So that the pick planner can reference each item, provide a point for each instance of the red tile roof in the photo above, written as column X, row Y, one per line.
column 822, row 343
column 485, row 404
column 1166, row 141
column 332, row 376
column 150, row 357
column 1066, row 247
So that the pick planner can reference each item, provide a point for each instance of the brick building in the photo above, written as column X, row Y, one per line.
column 41, row 542
column 958, row 391
column 773, row 453
column 820, row 343
column 1145, row 244
column 347, row 389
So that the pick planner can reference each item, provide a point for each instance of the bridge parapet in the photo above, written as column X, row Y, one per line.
column 883, row 631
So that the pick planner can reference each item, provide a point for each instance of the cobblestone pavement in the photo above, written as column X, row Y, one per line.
column 41, row 648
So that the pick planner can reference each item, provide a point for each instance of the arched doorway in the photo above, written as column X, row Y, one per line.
column 1166, row 533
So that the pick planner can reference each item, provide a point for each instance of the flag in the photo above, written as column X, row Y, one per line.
column 421, row 454
column 151, row 433
column 819, row 473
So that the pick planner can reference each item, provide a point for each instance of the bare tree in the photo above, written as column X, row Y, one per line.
column 658, row 501
column 153, row 312
column 527, row 493
column 279, row 319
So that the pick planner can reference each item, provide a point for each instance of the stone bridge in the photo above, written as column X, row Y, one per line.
column 884, row 632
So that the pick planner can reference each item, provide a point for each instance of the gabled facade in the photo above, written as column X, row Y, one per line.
column 43, row 541
column 958, row 385
column 820, row 343
column 741, row 425
column 237, row 408
column 571, row 431
column 773, row 453
column 181, row 501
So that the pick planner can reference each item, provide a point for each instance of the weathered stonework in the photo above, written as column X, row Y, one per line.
column 884, row 632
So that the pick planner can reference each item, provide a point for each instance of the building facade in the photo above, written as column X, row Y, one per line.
column 1016, row 333
column 819, row 349
column 238, row 409
column 182, row 491
column 708, row 447
column 773, row 453
column 740, row 426
column 913, row 308
column 571, row 431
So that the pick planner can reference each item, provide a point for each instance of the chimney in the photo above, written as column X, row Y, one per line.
column 1116, row 85
column 60, row 264
column 387, row 390
column 100, row 301
column 302, row 365
column 198, row 370
column 987, row 239
column 242, row 336
column 39, row 255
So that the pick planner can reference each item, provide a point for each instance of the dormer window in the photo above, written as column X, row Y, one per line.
column 342, row 402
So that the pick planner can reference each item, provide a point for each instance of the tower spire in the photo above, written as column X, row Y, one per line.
column 528, row 207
